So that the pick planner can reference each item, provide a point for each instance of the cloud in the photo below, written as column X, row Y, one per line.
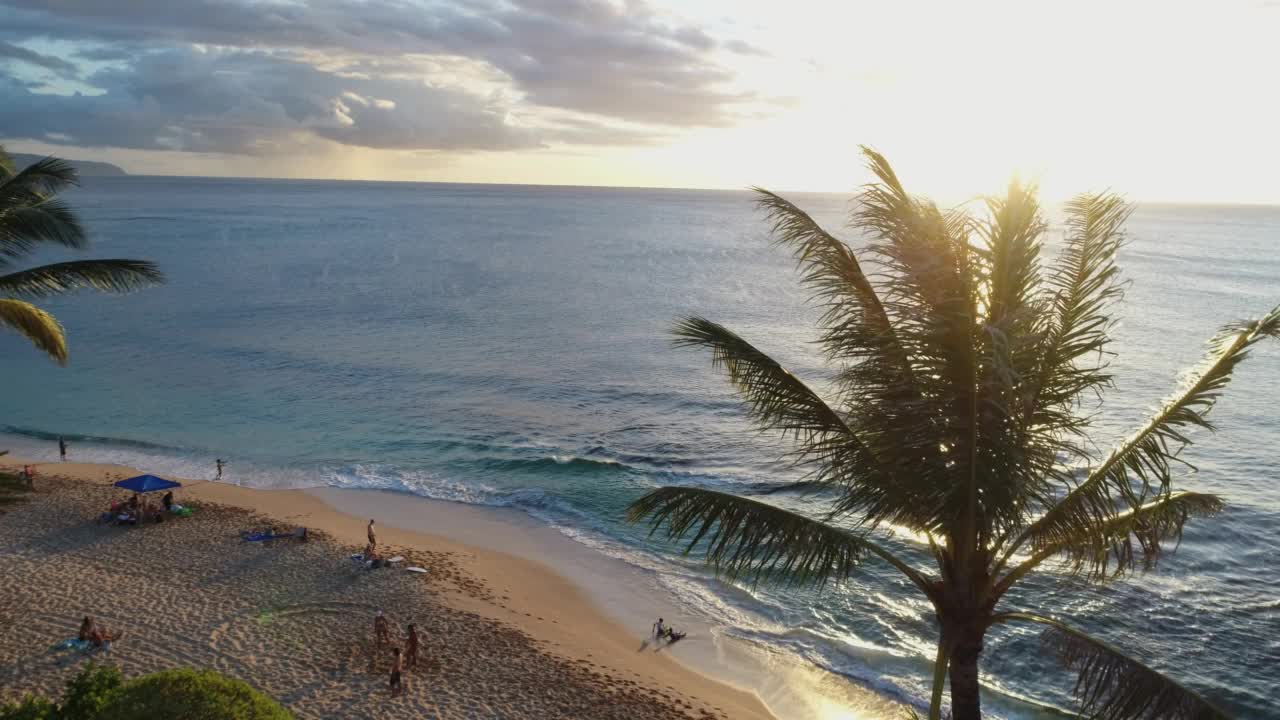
column 254, row 102
column 9, row 51
column 615, row 59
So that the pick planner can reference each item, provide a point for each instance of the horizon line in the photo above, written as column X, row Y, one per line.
column 685, row 188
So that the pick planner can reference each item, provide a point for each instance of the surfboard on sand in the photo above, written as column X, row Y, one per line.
column 414, row 568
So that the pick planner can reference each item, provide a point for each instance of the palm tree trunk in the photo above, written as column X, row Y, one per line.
column 966, row 703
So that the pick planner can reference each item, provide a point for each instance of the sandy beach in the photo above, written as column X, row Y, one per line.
column 503, row 637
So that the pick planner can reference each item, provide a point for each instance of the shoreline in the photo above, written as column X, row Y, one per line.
column 536, row 599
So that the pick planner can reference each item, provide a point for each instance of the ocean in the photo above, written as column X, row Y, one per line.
column 509, row 346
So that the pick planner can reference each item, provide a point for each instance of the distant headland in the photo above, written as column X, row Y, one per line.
column 86, row 168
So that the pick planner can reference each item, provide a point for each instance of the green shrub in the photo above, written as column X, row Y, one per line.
column 84, row 697
column 189, row 695
column 87, row 692
column 31, row 707
column 100, row 693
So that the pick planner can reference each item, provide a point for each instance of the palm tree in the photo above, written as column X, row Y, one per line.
column 31, row 215
column 962, row 363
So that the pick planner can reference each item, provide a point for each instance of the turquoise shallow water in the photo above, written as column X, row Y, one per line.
column 507, row 346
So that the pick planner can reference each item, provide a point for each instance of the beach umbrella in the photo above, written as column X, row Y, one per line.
column 147, row 483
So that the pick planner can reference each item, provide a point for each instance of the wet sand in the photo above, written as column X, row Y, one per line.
column 502, row 636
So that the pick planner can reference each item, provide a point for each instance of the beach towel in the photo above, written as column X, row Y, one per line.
column 74, row 644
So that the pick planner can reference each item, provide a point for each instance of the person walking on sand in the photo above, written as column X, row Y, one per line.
column 29, row 474
column 219, row 464
column 62, row 448
column 396, row 668
column 411, row 647
column 381, row 631
column 373, row 539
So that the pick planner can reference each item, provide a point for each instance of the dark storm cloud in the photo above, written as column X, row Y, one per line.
column 616, row 59
column 9, row 51
column 253, row 102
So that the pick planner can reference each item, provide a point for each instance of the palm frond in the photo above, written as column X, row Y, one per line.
column 748, row 539
column 1013, row 241
column 857, row 327
column 38, row 326
column 1140, row 467
column 36, row 182
column 1021, row 459
column 880, row 391
column 115, row 276
column 1083, row 286
column 777, row 400
column 1125, row 541
column 24, row 227
column 929, row 291
column 1113, row 686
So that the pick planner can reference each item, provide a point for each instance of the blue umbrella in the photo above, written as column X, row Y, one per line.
column 147, row 483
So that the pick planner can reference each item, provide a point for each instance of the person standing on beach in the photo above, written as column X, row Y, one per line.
column 219, row 464
column 411, row 647
column 373, row 539
column 381, row 631
column 62, row 448
column 396, row 668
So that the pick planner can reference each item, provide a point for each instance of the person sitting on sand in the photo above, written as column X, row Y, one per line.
column 672, row 635
column 102, row 638
column 381, row 630
column 86, row 629
column 396, row 668
column 167, row 500
column 123, row 514
column 411, row 647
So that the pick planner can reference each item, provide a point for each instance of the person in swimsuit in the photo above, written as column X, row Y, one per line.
column 381, row 631
column 411, row 647
column 219, row 464
column 102, row 638
column 86, row 629
column 396, row 668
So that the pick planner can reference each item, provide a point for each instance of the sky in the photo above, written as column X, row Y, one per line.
column 1162, row 100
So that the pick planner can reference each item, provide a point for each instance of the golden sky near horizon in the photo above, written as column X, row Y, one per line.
column 1161, row 100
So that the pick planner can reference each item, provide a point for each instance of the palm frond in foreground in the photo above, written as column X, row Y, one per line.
column 963, row 363
column 31, row 216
